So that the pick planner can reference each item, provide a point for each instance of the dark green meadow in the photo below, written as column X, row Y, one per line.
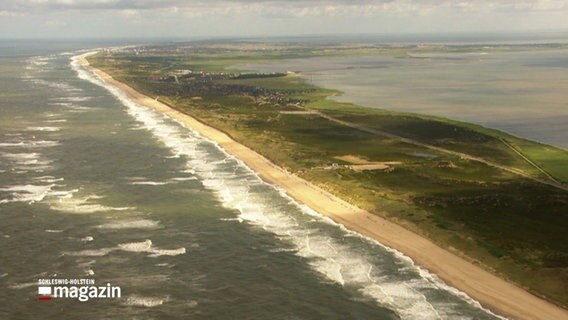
column 509, row 224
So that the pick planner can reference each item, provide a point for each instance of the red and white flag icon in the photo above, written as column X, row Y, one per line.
column 44, row 293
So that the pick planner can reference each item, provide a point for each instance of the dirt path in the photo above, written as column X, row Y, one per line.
column 539, row 168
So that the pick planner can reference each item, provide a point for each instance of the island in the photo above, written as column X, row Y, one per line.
column 483, row 209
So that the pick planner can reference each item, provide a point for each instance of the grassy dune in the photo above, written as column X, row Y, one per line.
column 510, row 224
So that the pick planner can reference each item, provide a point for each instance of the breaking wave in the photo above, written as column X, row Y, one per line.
column 130, row 224
column 82, row 205
column 148, row 302
column 145, row 246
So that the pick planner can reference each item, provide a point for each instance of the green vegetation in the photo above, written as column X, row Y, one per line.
column 508, row 212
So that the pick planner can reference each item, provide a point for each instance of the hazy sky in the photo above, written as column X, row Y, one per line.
column 196, row 18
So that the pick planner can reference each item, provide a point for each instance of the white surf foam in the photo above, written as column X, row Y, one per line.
column 74, row 98
column 33, row 193
column 47, row 129
column 149, row 183
column 130, row 224
column 47, row 179
column 184, row 179
column 145, row 246
column 27, row 161
column 167, row 252
column 87, row 239
column 82, row 205
column 90, row 252
column 60, row 104
column 52, row 115
column 36, row 63
column 26, row 193
column 80, row 109
column 57, row 85
column 30, row 144
column 87, row 267
column 21, row 156
column 162, row 183
column 19, row 286
column 148, row 302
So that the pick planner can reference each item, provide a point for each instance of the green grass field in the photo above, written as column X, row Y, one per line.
column 511, row 225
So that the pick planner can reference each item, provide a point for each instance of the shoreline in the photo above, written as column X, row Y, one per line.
column 492, row 292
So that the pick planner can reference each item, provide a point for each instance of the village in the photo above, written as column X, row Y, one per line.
column 186, row 82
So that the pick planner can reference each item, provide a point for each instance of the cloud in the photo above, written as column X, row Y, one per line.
column 293, row 8
column 164, row 4
column 529, row 6
column 275, row 17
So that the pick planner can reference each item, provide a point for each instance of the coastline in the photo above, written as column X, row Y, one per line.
column 492, row 292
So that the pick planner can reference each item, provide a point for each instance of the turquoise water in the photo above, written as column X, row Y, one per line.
column 95, row 186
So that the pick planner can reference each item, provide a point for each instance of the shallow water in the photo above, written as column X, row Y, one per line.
column 523, row 93
column 93, row 185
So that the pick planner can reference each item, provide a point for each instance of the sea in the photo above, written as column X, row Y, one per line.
column 521, row 91
column 94, row 186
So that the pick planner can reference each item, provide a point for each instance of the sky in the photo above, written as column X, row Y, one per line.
column 65, row 19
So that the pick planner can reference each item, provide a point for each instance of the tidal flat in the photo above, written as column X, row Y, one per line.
column 522, row 92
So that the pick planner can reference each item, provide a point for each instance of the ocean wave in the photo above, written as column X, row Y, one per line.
column 36, row 63
column 52, row 115
column 19, row 286
column 149, row 183
column 26, row 193
column 20, row 156
column 55, row 121
column 73, row 98
column 83, row 205
column 87, row 239
column 140, row 301
column 145, row 246
column 47, row 129
column 31, row 193
column 162, row 183
column 47, row 179
column 130, row 224
column 31, row 143
column 27, row 161
column 183, row 179
column 81, row 109
column 60, row 86
column 60, row 104
column 87, row 267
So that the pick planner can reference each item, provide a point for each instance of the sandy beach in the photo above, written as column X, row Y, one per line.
column 492, row 292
